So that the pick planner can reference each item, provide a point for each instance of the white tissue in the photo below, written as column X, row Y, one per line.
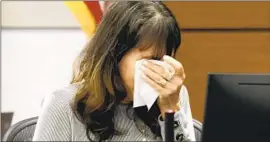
column 144, row 94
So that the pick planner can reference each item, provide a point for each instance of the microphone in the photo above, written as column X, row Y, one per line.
column 169, row 123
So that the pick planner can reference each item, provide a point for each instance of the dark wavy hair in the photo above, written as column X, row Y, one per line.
column 125, row 25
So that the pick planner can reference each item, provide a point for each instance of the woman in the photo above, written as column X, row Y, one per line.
column 97, row 106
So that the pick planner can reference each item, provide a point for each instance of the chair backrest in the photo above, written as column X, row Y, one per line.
column 198, row 129
column 24, row 130
column 21, row 131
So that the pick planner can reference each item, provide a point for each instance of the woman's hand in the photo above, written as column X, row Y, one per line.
column 167, row 86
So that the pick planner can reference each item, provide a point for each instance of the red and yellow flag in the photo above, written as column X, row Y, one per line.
column 88, row 14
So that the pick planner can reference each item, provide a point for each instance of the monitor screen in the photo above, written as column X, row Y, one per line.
column 237, row 108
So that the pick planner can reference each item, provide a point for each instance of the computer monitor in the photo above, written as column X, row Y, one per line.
column 237, row 108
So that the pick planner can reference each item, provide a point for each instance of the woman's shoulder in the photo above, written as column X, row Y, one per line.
column 55, row 118
column 66, row 93
column 61, row 98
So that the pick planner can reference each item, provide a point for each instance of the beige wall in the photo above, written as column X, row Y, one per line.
column 33, row 63
column 49, row 14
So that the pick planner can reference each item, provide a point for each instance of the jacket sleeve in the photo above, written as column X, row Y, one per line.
column 183, row 121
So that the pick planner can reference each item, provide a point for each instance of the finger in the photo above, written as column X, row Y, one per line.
column 152, row 75
column 162, row 92
column 178, row 80
column 152, row 83
column 174, row 63
column 176, row 83
column 157, row 68
column 168, row 85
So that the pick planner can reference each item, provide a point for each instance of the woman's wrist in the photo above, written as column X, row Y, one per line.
column 174, row 108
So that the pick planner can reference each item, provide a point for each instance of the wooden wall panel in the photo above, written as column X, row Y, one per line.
column 221, row 14
column 222, row 52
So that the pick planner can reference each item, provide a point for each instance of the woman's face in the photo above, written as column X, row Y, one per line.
column 127, row 67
